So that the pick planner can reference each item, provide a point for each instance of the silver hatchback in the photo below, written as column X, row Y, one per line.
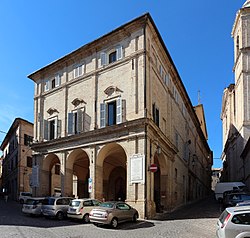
column 113, row 213
column 80, row 208
column 33, row 206
column 56, row 207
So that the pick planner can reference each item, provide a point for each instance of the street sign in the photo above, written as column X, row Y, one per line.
column 153, row 168
column 90, row 182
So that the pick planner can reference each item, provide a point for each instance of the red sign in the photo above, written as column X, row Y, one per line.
column 153, row 168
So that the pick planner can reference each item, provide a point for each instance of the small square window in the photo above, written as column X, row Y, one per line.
column 112, row 57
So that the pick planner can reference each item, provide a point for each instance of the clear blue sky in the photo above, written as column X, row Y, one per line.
column 197, row 34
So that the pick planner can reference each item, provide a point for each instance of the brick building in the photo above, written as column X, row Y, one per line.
column 107, row 111
column 17, row 158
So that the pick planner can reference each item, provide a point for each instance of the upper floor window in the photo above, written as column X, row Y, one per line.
column 111, row 56
column 112, row 112
column 52, row 128
column 78, row 71
column 75, row 122
column 29, row 161
column 52, row 83
column 27, row 139
column 156, row 115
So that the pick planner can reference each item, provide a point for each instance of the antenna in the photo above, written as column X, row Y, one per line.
column 199, row 97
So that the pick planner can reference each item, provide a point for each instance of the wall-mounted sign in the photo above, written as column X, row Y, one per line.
column 90, row 186
column 137, row 168
column 153, row 168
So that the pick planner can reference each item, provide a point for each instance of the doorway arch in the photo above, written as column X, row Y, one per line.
column 52, row 174
column 111, row 177
column 77, row 173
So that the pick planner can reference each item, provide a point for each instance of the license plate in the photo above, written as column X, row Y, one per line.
column 97, row 215
column 72, row 209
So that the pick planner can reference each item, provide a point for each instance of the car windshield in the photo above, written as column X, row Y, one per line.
column 49, row 201
column 107, row 204
column 74, row 203
column 33, row 201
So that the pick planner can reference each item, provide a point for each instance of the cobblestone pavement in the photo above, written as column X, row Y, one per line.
column 195, row 221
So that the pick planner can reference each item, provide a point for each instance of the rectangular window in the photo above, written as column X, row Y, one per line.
column 156, row 115
column 52, row 128
column 75, row 122
column 112, row 113
column 78, row 71
column 110, row 57
column 27, row 139
column 29, row 161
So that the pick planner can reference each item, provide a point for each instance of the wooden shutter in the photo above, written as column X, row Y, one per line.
column 59, row 128
column 102, row 115
column 103, row 58
column 46, row 86
column 119, row 53
column 70, row 123
column 79, row 120
column 118, row 111
column 57, row 80
column 45, row 130
column 87, row 122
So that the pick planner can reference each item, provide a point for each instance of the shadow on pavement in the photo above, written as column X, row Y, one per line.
column 206, row 208
column 11, row 215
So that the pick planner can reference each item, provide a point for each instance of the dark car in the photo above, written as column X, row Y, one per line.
column 231, row 199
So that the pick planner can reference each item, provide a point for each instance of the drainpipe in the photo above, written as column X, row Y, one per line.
column 145, row 116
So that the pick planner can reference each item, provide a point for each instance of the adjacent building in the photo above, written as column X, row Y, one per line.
column 235, row 113
column 17, row 158
column 113, row 121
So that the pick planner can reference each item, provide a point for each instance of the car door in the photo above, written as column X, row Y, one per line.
column 124, row 211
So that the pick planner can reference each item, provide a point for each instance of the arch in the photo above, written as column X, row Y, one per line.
column 111, row 173
column 51, row 172
column 160, row 182
column 77, row 173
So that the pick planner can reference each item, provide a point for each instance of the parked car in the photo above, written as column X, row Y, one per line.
column 112, row 213
column 80, row 208
column 233, row 221
column 220, row 188
column 33, row 206
column 232, row 199
column 56, row 207
column 245, row 203
column 24, row 196
column 243, row 235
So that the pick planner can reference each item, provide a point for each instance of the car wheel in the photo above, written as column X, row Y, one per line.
column 59, row 216
column 114, row 223
column 135, row 217
column 86, row 218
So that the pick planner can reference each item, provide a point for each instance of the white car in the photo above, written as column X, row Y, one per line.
column 233, row 221
column 24, row 196
column 243, row 235
column 33, row 206
column 80, row 208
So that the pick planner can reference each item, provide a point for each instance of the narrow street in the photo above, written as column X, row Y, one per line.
column 194, row 221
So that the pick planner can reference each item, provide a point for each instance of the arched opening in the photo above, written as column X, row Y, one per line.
column 52, row 174
column 111, row 176
column 77, row 174
column 160, row 183
column 157, row 186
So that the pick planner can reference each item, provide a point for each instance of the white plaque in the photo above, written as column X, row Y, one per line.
column 137, row 168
